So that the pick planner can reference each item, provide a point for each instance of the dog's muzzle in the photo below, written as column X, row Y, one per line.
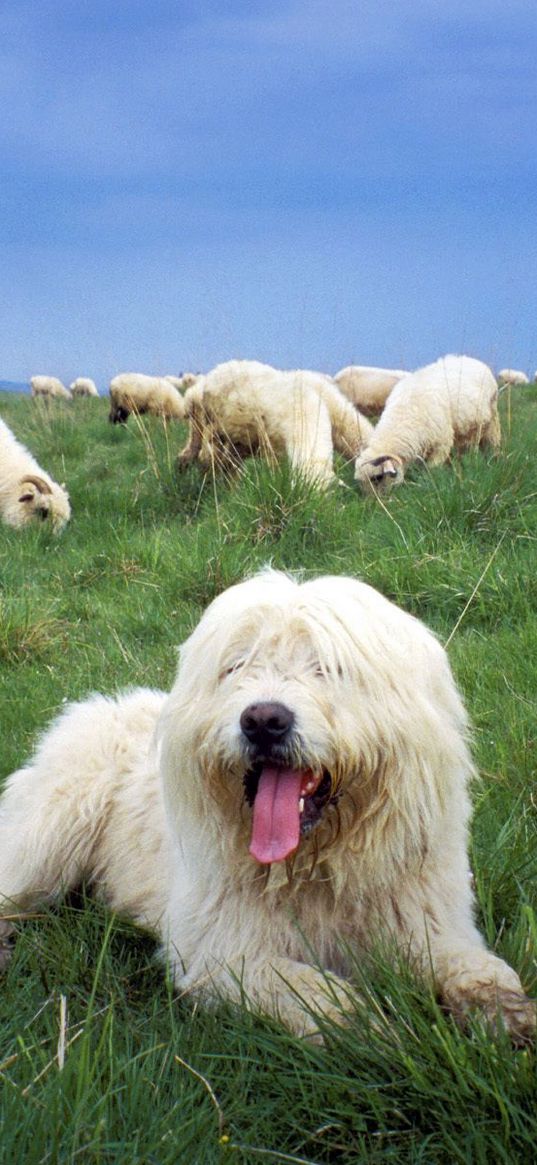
column 287, row 797
column 266, row 725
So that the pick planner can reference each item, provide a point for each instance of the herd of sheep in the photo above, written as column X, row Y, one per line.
column 242, row 408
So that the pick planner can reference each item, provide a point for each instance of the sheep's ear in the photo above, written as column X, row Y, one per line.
column 27, row 497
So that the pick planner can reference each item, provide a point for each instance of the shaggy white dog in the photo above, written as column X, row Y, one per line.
column 300, row 792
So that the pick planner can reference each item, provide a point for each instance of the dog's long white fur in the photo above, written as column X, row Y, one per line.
column 142, row 795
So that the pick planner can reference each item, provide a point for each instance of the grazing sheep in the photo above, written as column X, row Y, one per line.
column 49, row 386
column 511, row 376
column 132, row 392
column 26, row 491
column 244, row 407
column 452, row 403
column 83, row 386
column 367, row 388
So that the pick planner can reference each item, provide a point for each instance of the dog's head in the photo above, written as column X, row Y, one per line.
column 304, row 711
column 379, row 473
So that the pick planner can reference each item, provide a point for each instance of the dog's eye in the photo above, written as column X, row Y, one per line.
column 232, row 668
column 327, row 672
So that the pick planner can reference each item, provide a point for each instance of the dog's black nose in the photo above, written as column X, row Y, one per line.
column 266, row 724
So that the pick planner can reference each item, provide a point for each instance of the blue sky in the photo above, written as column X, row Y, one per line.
column 305, row 182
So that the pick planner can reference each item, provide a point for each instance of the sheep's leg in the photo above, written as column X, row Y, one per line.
column 491, row 436
column 229, row 454
column 349, row 448
column 307, row 436
column 191, row 451
column 438, row 455
column 215, row 450
column 349, row 436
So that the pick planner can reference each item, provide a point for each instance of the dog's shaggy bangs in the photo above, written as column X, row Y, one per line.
column 323, row 611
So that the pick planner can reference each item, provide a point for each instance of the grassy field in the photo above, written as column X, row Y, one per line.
column 143, row 1078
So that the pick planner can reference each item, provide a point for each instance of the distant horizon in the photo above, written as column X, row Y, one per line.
column 14, row 386
column 9, row 384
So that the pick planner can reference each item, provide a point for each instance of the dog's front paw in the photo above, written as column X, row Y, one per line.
column 308, row 1001
column 518, row 1015
column 491, row 988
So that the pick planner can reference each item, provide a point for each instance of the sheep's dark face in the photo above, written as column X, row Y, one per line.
column 118, row 415
column 380, row 474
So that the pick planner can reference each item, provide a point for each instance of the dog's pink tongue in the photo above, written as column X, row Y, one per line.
column 276, row 815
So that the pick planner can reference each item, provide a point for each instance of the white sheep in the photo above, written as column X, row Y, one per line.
column 367, row 388
column 49, row 386
column 452, row 403
column 26, row 491
column 133, row 392
column 83, row 386
column 245, row 407
column 510, row 376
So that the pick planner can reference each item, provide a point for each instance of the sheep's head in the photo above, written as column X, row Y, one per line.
column 379, row 473
column 185, row 381
column 44, row 500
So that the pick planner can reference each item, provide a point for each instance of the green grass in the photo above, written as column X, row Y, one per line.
column 145, row 1078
